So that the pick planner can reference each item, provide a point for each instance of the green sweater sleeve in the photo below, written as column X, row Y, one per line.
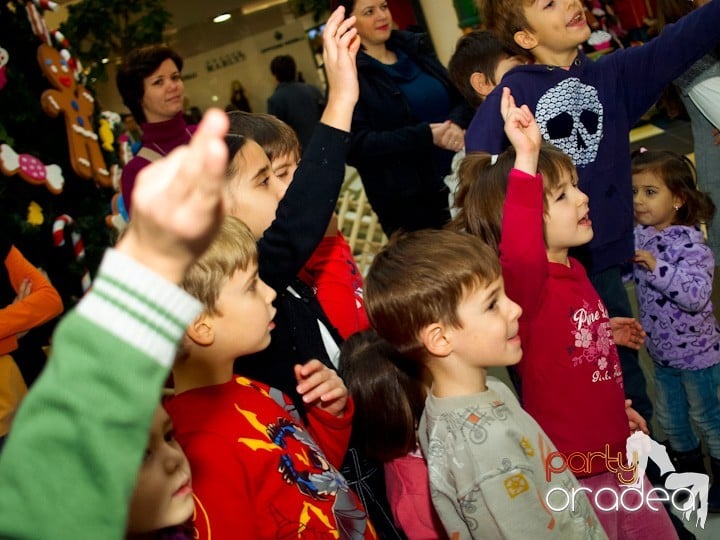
column 70, row 464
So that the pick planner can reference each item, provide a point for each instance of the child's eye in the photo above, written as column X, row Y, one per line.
column 253, row 286
column 634, row 191
column 560, row 197
column 492, row 305
column 170, row 436
column 651, row 192
column 265, row 181
column 549, row 4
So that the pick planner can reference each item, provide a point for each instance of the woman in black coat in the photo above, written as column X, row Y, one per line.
column 407, row 124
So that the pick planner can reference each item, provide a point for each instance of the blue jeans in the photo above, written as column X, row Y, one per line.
column 683, row 395
column 610, row 287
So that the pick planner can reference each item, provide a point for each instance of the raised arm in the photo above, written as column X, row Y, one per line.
column 522, row 245
column 71, row 461
column 304, row 212
column 658, row 62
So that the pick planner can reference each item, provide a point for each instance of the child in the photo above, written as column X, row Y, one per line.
column 389, row 398
column 479, row 62
column 162, row 501
column 289, row 222
column 438, row 297
column 27, row 300
column 84, row 424
column 570, row 374
column 257, row 467
column 673, row 274
column 586, row 109
column 331, row 270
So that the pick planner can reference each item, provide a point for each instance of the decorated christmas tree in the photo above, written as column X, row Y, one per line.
column 56, row 181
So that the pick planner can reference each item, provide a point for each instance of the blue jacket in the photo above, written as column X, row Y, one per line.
column 588, row 110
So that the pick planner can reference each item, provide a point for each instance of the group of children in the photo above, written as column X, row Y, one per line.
column 267, row 398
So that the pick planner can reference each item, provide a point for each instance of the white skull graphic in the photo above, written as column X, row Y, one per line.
column 570, row 116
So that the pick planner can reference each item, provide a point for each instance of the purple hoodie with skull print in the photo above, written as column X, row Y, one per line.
column 674, row 299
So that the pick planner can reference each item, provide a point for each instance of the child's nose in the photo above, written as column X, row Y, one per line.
column 270, row 293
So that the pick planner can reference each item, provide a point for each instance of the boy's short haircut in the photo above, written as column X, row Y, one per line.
column 504, row 18
column 420, row 278
column 476, row 52
column 233, row 249
column 274, row 136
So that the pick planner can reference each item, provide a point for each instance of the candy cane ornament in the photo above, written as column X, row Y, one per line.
column 78, row 247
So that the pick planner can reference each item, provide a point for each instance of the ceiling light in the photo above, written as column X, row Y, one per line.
column 222, row 18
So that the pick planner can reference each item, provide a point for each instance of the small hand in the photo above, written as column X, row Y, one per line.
column 340, row 46
column 321, row 386
column 645, row 259
column 635, row 421
column 23, row 292
column 523, row 132
column 627, row 332
column 716, row 136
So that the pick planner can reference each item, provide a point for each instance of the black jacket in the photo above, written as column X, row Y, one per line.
column 300, row 223
column 393, row 150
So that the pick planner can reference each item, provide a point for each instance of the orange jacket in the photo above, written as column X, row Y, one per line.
column 41, row 305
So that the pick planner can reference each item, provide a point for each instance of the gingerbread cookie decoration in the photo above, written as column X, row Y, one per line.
column 31, row 169
column 77, row 105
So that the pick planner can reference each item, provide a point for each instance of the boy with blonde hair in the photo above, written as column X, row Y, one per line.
column 438, row 297
column 257, row 467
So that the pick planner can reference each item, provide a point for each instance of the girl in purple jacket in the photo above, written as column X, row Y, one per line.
column 673, row 275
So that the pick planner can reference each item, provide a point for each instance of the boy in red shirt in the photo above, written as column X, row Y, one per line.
column 258, row 470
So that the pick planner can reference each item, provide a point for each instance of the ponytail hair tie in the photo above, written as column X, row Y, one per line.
column 493, row 159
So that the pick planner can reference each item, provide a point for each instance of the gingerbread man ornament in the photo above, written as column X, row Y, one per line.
column 77, row 105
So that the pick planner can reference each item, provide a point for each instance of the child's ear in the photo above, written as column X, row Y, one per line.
column 481, row 84
column 525, row 39
column 435, row 339
column 201, row 331
column 678, row 202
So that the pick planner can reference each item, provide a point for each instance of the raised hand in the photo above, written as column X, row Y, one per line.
column 522, row 131
column 340, row 46
column 177, row 202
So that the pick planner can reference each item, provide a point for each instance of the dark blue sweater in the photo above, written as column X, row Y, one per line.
column 588, row 111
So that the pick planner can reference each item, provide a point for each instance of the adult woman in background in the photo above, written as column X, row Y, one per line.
column 150, row 85
column 407, row 124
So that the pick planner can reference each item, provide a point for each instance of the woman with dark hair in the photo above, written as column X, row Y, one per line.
column 151, row 87
column 408, row 122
